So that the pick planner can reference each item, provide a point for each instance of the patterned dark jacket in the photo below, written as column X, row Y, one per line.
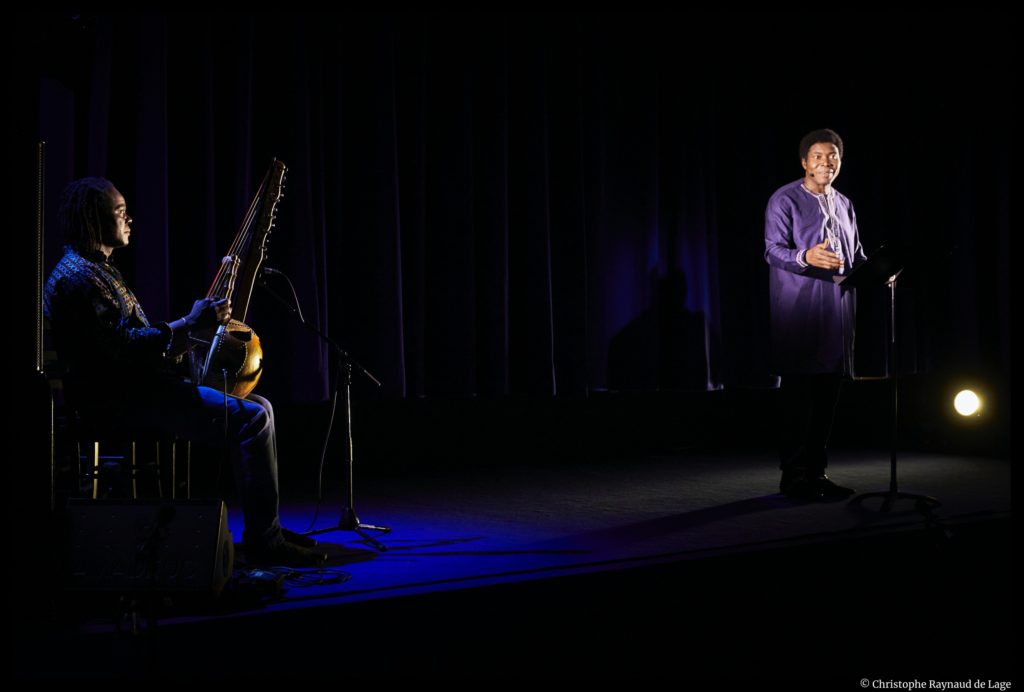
column 103, row 338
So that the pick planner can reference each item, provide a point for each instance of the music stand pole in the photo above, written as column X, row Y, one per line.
column 886, row 265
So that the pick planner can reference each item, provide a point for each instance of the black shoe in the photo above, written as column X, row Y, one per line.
column 828, row 489
column 796, row 485
column 298, row 538
column 285, row 554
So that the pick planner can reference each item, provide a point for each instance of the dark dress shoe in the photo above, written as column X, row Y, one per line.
column 798, row 486
column 298, row 538
column 828, row 489
column 284, row 554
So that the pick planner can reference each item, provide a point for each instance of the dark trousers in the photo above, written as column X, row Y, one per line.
column 807, row 407
column 197, row 413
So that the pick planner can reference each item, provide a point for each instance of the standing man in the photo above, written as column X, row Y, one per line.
column 810, row 235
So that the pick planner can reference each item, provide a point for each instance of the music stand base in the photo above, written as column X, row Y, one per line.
column 925, row 504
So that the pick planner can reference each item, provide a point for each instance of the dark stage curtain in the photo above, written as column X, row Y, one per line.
column 543, row 205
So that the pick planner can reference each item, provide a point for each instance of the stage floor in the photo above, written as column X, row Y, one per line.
column 489, row 525
column 692, row 553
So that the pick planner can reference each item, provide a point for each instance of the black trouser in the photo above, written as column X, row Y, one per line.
column 807, row 406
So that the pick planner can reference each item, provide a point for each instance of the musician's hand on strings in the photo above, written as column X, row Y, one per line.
column 209, row 312
column 223, row 309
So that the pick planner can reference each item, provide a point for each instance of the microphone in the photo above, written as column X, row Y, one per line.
column 266, row 272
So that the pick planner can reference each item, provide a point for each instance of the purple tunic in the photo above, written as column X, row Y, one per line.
column 812, row 319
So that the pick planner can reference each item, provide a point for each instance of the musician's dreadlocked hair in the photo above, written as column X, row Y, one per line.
column 84, row 210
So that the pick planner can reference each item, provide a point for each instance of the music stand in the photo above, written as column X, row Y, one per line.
column 884, row 267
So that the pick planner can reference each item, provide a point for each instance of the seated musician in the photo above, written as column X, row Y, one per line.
column 116, row 362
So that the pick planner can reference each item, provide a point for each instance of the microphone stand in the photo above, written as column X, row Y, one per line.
column 348, row 521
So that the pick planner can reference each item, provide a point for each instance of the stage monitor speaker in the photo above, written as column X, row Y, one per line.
column 150, row 545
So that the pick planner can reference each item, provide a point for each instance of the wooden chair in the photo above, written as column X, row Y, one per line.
column 109, row 460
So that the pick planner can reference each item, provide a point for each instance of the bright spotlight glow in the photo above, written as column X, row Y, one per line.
column 967, row 403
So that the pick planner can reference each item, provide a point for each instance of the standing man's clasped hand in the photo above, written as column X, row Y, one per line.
column 820, row 256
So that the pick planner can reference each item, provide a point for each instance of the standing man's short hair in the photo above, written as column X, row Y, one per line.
column 816, row 136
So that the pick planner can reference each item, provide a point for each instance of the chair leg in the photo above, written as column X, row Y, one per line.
column 174, row 469
column 135, row 472
column 160, row 468
column 188, row 469
column 132, row 467
column 95, row 470
column 186, row 484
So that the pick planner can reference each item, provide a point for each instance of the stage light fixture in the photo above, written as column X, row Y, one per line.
column 967, row 403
